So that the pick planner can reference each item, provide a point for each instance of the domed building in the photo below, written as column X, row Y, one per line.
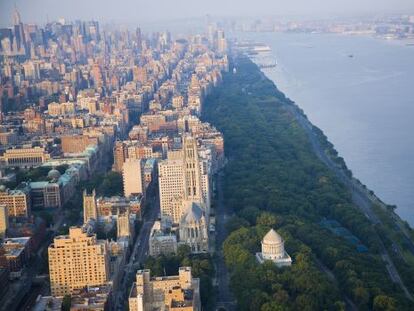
column 53, row 174
column 193, row 228
column 273, row 248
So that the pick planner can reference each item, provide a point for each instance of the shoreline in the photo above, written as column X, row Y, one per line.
column 409, row 42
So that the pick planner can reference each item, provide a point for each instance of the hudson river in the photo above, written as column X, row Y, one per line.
column 360, row 92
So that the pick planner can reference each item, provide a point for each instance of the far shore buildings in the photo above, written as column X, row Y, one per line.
column 273, row 249
column 175, row 293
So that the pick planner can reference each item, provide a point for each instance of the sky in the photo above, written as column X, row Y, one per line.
column 131, row 11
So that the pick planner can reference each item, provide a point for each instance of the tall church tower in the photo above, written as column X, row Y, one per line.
column 90, row 209
column 191, row 169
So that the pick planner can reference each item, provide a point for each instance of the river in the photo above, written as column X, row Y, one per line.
column 360, row 92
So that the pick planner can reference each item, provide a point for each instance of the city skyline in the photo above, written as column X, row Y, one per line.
column 135, row 12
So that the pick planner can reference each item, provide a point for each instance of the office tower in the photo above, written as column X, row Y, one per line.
column 77, row 260
column 132, row 177
column 4, row 220
column 90, row 210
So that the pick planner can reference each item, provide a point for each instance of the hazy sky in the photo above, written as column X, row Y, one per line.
column 137, row 11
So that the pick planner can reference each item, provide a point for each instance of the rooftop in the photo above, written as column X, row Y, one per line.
column 272, row 237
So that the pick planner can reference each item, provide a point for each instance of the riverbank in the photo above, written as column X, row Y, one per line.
column 275, row 178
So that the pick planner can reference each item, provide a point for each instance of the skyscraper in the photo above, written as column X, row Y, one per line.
column 170, row 179
column 19, row 38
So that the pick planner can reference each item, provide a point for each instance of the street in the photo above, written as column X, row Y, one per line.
column 138, row 254
column 225, row 299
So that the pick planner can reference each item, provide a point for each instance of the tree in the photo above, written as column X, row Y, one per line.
column 183, row 251
column 273, row 306
column 384, row 303
column 361, row 295
column 111, row 185
column 267, row 219
column 66, row 303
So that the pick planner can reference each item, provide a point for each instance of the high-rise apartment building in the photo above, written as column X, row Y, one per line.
column 132, row 177
column 77, row 260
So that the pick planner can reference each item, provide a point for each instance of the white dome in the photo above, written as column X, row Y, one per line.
column 272, row 237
